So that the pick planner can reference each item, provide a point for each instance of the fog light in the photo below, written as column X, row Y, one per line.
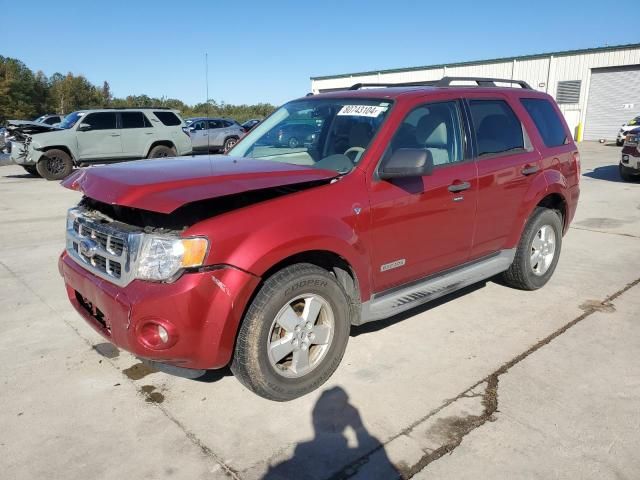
column 625, row 158
column 157, row 335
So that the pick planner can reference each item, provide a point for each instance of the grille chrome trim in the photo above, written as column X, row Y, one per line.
column 110, row 252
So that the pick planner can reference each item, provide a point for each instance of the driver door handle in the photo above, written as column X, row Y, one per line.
column 459, row 187
column 530, row 170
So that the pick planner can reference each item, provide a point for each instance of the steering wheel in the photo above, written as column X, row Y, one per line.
column 358, row 150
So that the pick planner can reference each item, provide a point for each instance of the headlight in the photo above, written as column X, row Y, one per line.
column 163, row 257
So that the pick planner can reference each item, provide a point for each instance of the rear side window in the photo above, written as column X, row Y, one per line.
column 134, row 120
column 101, row 120
column 547, row 121
column 497, row 128
column 228, row 123
column 215, row 124
column 168, row 118
column 52, row 120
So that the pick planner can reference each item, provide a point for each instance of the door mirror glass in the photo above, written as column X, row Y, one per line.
column 84, row 127
column 407, row 162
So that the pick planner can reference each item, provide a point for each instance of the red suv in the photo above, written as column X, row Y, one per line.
column 264, row 258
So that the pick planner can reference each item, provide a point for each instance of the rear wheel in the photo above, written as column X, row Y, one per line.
column 229, row 143
column 294, row 333
column 31, row 170
column 162, row 151
column 55, row 165
column 538, row 251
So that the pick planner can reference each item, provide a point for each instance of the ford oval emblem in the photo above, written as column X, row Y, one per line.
column 88, row 247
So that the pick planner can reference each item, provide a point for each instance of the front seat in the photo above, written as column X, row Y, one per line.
column 431, row 133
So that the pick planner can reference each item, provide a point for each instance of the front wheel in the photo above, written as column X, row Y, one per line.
column 538, row 251
column 294, row 142
column 54, row 165
column 294, row 333
column 162, row 151
column 627, row 177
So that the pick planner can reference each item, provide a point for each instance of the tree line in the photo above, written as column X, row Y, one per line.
column 26, row 95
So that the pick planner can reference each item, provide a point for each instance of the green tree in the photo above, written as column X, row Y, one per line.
column 17, row 90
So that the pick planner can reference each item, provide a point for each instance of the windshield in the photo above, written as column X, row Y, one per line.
column 70, row 120
column 40, row 119
column 325, row 133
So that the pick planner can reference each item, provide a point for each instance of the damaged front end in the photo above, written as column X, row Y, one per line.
column 21, row 135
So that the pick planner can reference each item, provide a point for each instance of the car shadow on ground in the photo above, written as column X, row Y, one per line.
column 22, row 175
column 380, row 324
column 608, row 172
column 340, row 438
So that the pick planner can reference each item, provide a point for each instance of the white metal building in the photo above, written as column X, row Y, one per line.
column 598, row 87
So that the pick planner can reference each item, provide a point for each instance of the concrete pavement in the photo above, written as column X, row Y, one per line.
column 472, row 380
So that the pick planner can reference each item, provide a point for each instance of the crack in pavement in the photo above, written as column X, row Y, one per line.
column 462, row 426
column 605, row 232
column 190, row 435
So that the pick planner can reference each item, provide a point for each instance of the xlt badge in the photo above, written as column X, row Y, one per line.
column 389, row 266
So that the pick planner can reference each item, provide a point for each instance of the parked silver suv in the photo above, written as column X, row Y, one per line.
column 214, row 134
column 97, row 136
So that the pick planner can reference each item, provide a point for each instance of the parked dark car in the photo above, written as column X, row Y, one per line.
column 294, row 135
column 249, row 124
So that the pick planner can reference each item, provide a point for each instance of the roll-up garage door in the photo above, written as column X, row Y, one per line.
column 614, row 98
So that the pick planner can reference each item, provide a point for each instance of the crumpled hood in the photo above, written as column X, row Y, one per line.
column 29, row 128
column 166, row 184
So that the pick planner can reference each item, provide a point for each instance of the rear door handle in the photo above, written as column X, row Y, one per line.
column 459, row 187
column 115, row 134
column 530, row 170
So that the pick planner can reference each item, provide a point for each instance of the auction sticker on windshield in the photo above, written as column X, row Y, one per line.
column 362, row 110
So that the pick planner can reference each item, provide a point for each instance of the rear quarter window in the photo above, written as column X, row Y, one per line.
column 497, row 128
column 546, row 120
column 169, row 119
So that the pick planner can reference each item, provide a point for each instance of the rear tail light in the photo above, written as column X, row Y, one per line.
column 186, row 131
column 576, row 159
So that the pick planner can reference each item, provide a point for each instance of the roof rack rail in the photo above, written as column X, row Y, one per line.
column 131, row 108
column 481, row 81
column 428, row 83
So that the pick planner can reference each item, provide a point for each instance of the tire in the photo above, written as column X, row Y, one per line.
column 229, row 143
column 54, row 165
column 253, row 361
column 619, row 143
column 162, row 151
column 627, row 177
column 522, row 273
column 293, row 142
column 31, row 170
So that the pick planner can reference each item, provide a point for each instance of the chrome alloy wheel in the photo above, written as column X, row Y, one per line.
column 543, row 249
column 300, row 335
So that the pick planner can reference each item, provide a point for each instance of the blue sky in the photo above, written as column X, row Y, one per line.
column 267, row 50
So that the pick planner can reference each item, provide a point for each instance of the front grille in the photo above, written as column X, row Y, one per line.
column 101, row 246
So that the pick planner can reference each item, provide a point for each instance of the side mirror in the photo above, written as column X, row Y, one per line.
column 84, row 127
column 407, row 162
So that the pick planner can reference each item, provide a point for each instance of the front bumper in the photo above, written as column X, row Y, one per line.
column 201, row 310
column 22, row 155
column 630, row 159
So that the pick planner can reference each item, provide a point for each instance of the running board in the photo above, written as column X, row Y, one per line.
column 400, row 299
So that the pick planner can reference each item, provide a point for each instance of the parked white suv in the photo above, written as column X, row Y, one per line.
column 97, row 136
column 626, row 128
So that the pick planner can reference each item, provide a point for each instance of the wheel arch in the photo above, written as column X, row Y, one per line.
column 549, row 190
column 64, row 148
